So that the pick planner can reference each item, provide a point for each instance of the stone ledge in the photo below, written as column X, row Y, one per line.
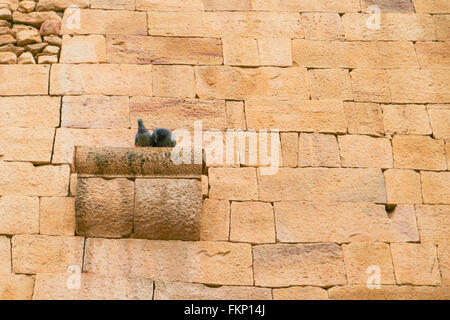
column 133, row 162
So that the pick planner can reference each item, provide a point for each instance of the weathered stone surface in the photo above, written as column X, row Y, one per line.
column 300, row 293
column 359, row 256
column 219, row 263
column 113, row 4
column 343, row 222
column 260, row 149
column 132, row 162
column 174, row 113
column 60, row 5
column 83, row 49
column 447, row 151
column 173, row 81
column 235, row 115
column 280, row 265
column 436, row 187
column 193, row 291
column 442, row 26
column 354, row 54
column 289, row 149
column 22, row 178
column 8, row 58
column 107, row 79
column 318, row 150
column 444, row 261
column 5, row 254
column 296, row 115
column 393, row 26
column 167, row 209
column 275, row 52
column 370, row 85
column 104, row 208
column 434, row 222
column 440, row 118
column 36, row 47
column 102, row 112
column 19, row 215
column 239, row 83
column 169, row 5
column 215, row 220
column 403, row 6
column 67, row 138
column 231, row 5
column 50, row 28
column 233, row 183
column 364, row 118
column 419, row 86
column 182, row 24
column 26, row 58
column 323, row 184
column 252, row 222
column 7, row 39
column 27, row 144
column 53, row 40
column 95, row 21
column 16, row 287
column 46, row 254
column 240, row 52
column 415, row 264
column 418, row 152
column 46, row 59
column 322, row 26
column 26, row 6
column 308, row 5
column 51, row 50
column 35, row 18
column 403, row 186
column 92, row 287
column 57, row 216
column 433, row 6
column 163, row 50
column 406, row 119
column 433, row 54
column 29, row 112
column 24, row 80
column 404, row 292
column 330, row 84
column 364, row 151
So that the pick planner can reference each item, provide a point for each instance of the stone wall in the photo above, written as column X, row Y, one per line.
column 363, row 116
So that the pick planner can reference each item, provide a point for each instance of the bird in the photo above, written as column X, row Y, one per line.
column 162, row 137
column 143, row 136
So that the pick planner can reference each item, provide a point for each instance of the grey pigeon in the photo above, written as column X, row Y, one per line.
column 143, row 136
column 162, row 137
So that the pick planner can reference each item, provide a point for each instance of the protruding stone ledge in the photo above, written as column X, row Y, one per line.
column 135, row 162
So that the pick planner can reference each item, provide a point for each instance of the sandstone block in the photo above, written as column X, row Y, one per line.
column 180, row 24
column 233, row 183
column 109, row 79
column 330, row 84
column 370, row 85
column 415, row 263
column 47, row 59
column 433, row 6
column 300, row 293
column 239, row 83
column 322, row 26
column 296, row 115
column 403, row 186
column 35, row 19
column 24, row 80
column 388, row 292
column 308, row 5
column 365, row 151
column 235, row 115
column 434, row 222
column 323, row 184
column 406, row 119
column 418, row 152
column 22, row 178
column 60, row 5
column 343, row 222
column 16, row 287
column 167, row 209
column 173, row 81
column 318, row 150
column 216, row 263
column 5, row 255
column 403, row 6
column 19, row 215
column 57, row 216
column 97, row 112
column 46, row 254
column 170, row 5
column 8, row 58
column 440, row 118
column 163, row 50
column 444, row 261
column 442, row 26
column 436, row 187
column 289, row 148
column 194, row 291
column 275, row 52
column 359, row 256
column 104, row 208
column 95, row 21
column 280, row 265
column 215, row 220
column 433, row 54
column 26, row 58
column 83, row 49
column 113, row 4
column 364, row 118
column 240, row 52
column 231, row 5
column 53, row 286
column 252, row 222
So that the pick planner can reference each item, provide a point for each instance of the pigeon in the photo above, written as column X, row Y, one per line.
column 162, row 137
column 142, row 136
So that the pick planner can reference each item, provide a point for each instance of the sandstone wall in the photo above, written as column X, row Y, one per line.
column 364, row 121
